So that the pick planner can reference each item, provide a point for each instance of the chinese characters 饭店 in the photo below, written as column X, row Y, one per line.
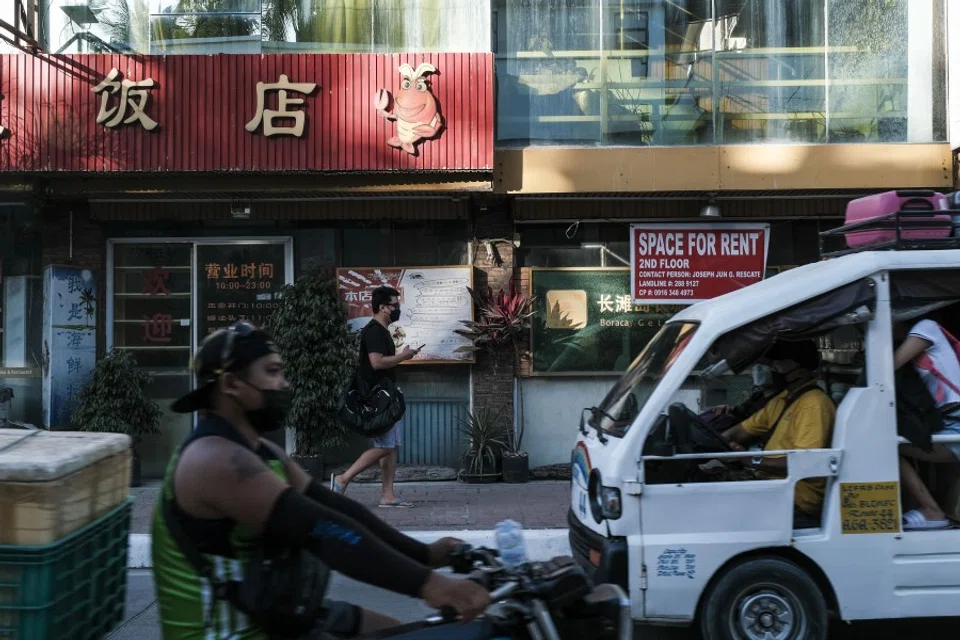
column 129, row 96
column 269, row 117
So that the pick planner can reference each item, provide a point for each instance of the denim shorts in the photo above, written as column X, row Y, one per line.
column 391, row 439
column 952, row 429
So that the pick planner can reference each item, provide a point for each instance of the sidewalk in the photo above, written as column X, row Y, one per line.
column 448, row 506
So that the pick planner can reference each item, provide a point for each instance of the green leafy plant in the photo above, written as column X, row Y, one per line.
column 113, row 399
column 503, row 317
column 319, row 353
column 482, row 432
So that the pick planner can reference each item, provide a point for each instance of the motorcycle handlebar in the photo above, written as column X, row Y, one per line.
column 449, row 614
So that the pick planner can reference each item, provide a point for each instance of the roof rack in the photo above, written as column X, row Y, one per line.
column 898, row 223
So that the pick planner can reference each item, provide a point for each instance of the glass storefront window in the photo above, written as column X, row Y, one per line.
column 22, row 315
column 166, row 296
column 688, row 72
column 585, row 322
column 266, row 26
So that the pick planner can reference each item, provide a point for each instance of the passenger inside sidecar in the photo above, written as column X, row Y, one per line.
column 799, row 377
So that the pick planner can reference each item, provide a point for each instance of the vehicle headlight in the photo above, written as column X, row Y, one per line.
column 605, row 502
column 610, row 505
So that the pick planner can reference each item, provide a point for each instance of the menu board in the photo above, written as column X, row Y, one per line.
column 433, row 300
column 238, row 282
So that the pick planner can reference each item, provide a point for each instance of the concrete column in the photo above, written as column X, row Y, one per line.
column 920, row 43
column 953, row 73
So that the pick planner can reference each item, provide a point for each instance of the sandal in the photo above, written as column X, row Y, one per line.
column 398, row 504
column 334, row 486
column 914, row 520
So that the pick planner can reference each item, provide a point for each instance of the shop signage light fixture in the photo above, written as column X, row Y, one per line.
column 710, row 210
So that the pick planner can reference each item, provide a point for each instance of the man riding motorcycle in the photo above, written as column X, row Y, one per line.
column 231, row 492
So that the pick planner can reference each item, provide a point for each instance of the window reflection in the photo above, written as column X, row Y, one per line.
column 255, row 26
column 685, row 72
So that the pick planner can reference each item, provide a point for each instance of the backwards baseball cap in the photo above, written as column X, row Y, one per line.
column 803, row 352
column 229, row 349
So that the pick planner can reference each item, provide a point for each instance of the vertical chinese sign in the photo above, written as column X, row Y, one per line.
column 69, row 339
column 238, row 282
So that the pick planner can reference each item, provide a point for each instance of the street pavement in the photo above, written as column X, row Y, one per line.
column 455, row 506
column 439, row 506
column 141, row 621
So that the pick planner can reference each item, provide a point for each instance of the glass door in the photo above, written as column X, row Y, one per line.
column 150, row 317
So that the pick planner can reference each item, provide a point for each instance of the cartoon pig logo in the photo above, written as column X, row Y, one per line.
column 414, row 108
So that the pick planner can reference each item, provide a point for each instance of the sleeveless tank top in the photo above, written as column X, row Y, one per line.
column 185, row 598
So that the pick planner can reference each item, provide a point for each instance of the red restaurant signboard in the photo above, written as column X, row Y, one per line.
column 255, row 113
column 688, row 263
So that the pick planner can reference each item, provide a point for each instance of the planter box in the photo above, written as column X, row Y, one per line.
column 516, row 467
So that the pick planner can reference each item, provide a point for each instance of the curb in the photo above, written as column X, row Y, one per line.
column 542, row 544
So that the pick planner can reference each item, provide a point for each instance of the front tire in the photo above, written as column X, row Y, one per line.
column 765, row 598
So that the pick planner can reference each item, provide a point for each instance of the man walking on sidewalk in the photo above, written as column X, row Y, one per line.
column 378, row 360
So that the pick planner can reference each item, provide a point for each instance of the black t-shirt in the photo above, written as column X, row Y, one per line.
column 375, row 338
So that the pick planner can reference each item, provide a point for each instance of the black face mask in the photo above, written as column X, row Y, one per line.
column 395, row 314
column 271, row 414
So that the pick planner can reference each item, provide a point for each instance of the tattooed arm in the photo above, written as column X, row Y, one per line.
column 217, row 478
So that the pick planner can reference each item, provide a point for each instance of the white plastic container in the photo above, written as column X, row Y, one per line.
column 55, row 482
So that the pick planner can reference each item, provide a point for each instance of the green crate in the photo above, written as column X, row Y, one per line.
column 75, row 588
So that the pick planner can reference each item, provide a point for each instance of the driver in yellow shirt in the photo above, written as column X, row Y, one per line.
column 799, row 417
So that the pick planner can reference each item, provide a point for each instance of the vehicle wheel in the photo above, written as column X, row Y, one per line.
column 765, row 599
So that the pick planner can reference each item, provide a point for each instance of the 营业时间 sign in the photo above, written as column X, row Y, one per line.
column 687, row 263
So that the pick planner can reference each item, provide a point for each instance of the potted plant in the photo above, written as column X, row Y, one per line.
column 113, row 400
column 482, row 431
column 502, row 321
column 319, row 353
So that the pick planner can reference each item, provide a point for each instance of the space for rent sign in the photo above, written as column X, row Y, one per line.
column 687, row 263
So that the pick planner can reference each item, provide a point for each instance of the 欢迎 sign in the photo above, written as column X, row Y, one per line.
column 688, row 263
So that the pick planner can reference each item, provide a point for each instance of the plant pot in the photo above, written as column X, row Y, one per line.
column 516, row 467
column 312, row 465
column 136, row 476
column 478, row 478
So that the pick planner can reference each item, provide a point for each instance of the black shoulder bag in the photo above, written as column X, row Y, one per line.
column 282, row 590
column 371, row 410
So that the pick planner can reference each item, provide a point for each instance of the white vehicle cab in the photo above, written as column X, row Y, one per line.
column 722, row 550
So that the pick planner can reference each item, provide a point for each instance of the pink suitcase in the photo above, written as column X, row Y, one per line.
column 914, row 225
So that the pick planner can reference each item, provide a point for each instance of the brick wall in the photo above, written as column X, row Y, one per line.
column 493, row 373
column 88, row 249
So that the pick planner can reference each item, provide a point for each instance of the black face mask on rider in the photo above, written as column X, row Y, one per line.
column 270, row 415
column 395, row 313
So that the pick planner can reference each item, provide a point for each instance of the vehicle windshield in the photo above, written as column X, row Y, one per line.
column 623, row 403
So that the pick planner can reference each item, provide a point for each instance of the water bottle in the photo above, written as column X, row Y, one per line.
column 510, row 543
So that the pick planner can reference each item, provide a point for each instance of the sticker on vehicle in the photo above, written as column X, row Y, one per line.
column 870, row 507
